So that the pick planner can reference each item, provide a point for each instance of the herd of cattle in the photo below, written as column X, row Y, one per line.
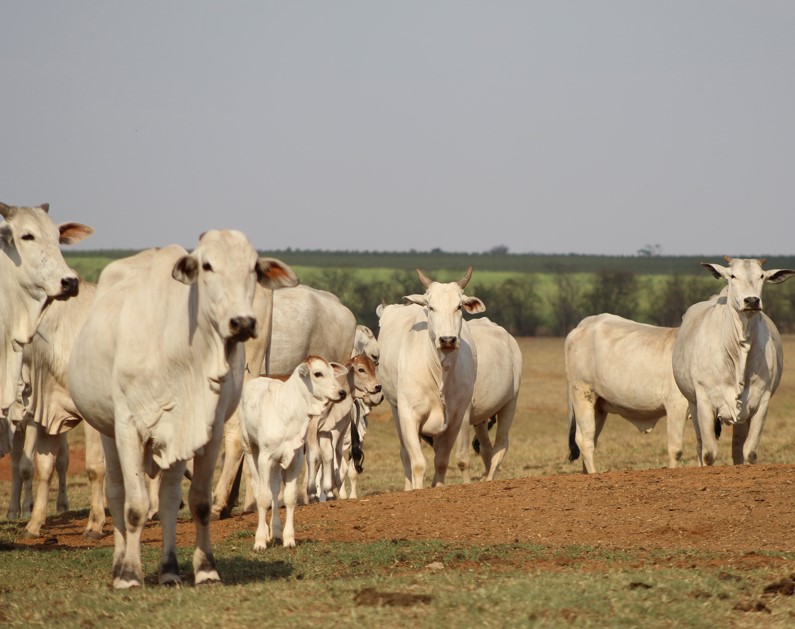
column 164, row 357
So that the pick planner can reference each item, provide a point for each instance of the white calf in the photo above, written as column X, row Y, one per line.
column 274, row 416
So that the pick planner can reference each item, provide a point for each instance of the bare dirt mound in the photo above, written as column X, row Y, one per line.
column 745, row 508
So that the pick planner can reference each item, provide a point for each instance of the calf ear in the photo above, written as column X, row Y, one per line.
column 74, row 232
column 473, row 305
column 186, row 270
column 339, row 370
column 776, row 276
column 303, row 369
column 6, row 235
column 717, row 270
column 273, row 274
column 415, row 299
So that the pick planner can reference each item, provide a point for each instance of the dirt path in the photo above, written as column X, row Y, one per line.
column 738, row 509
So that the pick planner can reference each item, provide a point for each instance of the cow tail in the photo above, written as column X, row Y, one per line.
column 574, row 449
column 718, row 428
column 357, row 454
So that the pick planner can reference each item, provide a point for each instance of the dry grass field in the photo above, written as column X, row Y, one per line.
column 687, row 547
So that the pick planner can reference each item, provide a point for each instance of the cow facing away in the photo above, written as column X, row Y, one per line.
column 274, row 418
column 305, row 321
column 33, row 274
column 364, row 342
column 428, row 370
column 728, row 359
column 614, row 365
column 499, row 378
column 157, row 369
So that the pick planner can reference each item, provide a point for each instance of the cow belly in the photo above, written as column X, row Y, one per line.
column 639, row 416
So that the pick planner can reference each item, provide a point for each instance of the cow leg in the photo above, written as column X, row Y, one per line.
column 130, row 456
column 61, row 467
column 346, row 468
column 585, row 435
column 290, row 476
column 200, row 498
column 24, row 468
column 115, row 490
column 462, row 452
column 95, row 470
column 170, row 495
column 275, row 486
column 153, row 491
column 261, row 471
column 233, row 459
column 694, row 419
column 443, row 446
column 48, row 448
column 755, row 425
column 676, row 420
column 706, row 424
column 739, row 436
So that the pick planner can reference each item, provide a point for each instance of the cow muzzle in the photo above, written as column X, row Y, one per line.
column 242, row 329
column 70, row 287
column 448, row 343
column 752, row 304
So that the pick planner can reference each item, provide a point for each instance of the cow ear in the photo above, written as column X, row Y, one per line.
column 473, row 305
column 273, row 274
column 6, row 235
column 339, row 370
column 380, row 310
column 186, row 270
column 415, row 299
column 776, row 276
column 303, row 369
column 74, row 232
column 717, row 270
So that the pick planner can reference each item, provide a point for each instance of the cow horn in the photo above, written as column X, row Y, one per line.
column 6, row 210
column 728, row 258
column 762, row 261
column 426, row 281
column 45, row 207
column 465, row 279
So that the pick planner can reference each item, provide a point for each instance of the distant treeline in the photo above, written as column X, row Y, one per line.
column 532, row 294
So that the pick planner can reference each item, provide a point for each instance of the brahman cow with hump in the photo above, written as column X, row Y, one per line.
column 728, row 359
column 33, row 274
column 274, row 419
column 614, row 365
column 499, row 378
column 303, row 321
column 427, row 370
column 158, row 368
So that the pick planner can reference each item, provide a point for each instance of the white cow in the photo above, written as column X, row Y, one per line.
column 274, row 418
column 327, row 432
column 499, row 378
column 33, row 274
column 53, row 411
column 728, row 359
column 157, row 369
column 614, row 365
column 306, row 321
column 428, row 369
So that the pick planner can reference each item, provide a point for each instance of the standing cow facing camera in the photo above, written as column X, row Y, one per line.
column 158, row 368
column 728, row 359
column 427, row 371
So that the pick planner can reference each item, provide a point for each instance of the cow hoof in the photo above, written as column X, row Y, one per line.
column 61, row 508
column 127, row 580
column 95, row 535
column 208, row 578
column 26, row 534
column 313, row 499
column 12, row 515
column 170, row 580
column 289, row 543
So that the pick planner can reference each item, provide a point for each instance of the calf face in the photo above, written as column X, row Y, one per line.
column 365, row 379
column 321, row 376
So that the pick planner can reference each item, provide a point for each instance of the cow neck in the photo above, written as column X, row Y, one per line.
column 295, row 388
column 737, row 343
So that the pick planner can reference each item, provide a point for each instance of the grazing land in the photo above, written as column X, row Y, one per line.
column 635, row 545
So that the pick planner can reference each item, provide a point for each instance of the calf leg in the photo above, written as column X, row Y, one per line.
column 326, row 444
column 261, row 472
column 200, row 499
column 170, row 495
column 312, row 460
column 290, row 476
column 95, row 470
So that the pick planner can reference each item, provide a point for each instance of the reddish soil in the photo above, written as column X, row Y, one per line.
column 735, row 509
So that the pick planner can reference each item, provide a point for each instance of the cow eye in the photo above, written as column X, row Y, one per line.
column 28, row 237
column 318, row 374
column 207, row 266
column 361, row 369
column 734, row 277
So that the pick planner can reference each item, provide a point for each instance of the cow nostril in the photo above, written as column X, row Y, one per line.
column 242, row 325
column 378, row 388
column 753, row 302
column 69, row 286
column 343, row 394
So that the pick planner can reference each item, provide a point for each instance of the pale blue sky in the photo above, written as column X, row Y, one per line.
column 558, row 126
